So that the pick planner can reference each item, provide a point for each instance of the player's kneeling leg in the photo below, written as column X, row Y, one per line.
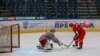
column 42, row 41
column 48, row 47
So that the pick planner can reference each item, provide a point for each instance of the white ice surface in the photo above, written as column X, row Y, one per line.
column 30, row 41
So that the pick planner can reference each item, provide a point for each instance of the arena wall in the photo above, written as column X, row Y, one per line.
column 30, row 26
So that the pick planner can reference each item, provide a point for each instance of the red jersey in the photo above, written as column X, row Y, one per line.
column 79, row 29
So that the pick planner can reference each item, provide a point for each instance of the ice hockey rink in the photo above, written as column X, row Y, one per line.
column 30, row 41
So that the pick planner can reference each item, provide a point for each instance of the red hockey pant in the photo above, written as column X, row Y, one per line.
column 79, row 40
column 43, row 41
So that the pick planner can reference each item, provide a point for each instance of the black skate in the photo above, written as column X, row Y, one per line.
column 39, row 47
column 79, row 48
column 75, row 46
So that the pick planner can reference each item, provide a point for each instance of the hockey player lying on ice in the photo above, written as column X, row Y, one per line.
column 45, row 41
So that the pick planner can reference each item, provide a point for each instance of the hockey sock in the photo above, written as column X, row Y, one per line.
column 81, row 44
column 76, row 43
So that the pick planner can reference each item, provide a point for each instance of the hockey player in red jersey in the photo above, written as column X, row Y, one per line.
column 46, row 38
column 79, row 35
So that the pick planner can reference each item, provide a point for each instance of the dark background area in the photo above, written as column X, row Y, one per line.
column 51, row 9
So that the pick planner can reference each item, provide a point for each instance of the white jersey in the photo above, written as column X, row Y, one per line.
column 51, row 36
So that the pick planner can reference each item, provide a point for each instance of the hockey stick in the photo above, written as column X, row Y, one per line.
column 70, row 43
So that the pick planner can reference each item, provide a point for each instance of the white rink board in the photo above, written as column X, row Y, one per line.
column 48, row 24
